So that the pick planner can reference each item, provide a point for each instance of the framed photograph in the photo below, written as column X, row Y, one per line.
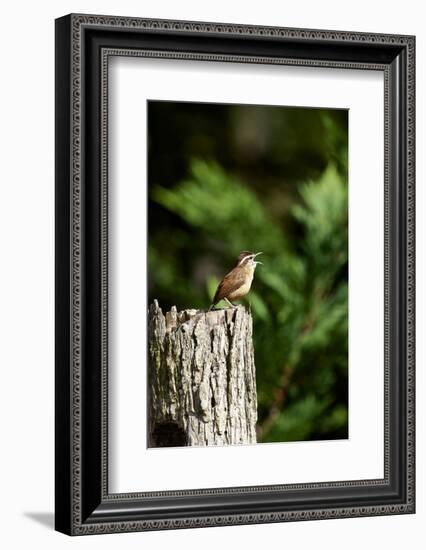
column 234, row 274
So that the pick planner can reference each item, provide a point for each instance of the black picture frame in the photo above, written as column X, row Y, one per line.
column 83, row 46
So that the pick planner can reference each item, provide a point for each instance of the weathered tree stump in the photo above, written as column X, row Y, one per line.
column 202, row 378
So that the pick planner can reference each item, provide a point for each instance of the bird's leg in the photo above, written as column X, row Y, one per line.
column 230, row 303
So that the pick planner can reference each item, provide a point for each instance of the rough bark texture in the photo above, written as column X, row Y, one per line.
column 202, row 378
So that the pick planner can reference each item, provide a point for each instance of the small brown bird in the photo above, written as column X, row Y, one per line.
column 237, row 282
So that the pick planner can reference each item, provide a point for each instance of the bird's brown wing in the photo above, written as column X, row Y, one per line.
column 230, row 283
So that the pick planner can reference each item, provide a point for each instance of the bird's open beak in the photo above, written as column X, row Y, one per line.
column 255, row 257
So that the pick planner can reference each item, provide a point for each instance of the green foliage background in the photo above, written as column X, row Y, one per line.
column 226, row 178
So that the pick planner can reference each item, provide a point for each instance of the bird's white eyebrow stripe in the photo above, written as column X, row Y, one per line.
column 244, row 260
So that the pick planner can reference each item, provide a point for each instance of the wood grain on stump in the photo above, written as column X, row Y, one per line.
column 202, row 378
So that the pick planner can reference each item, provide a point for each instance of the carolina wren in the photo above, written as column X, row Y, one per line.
column 237, row 282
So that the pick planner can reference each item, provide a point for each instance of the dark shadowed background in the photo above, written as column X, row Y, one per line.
column 226, row 178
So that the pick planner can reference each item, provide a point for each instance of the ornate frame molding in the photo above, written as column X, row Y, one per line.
column 76, row 510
